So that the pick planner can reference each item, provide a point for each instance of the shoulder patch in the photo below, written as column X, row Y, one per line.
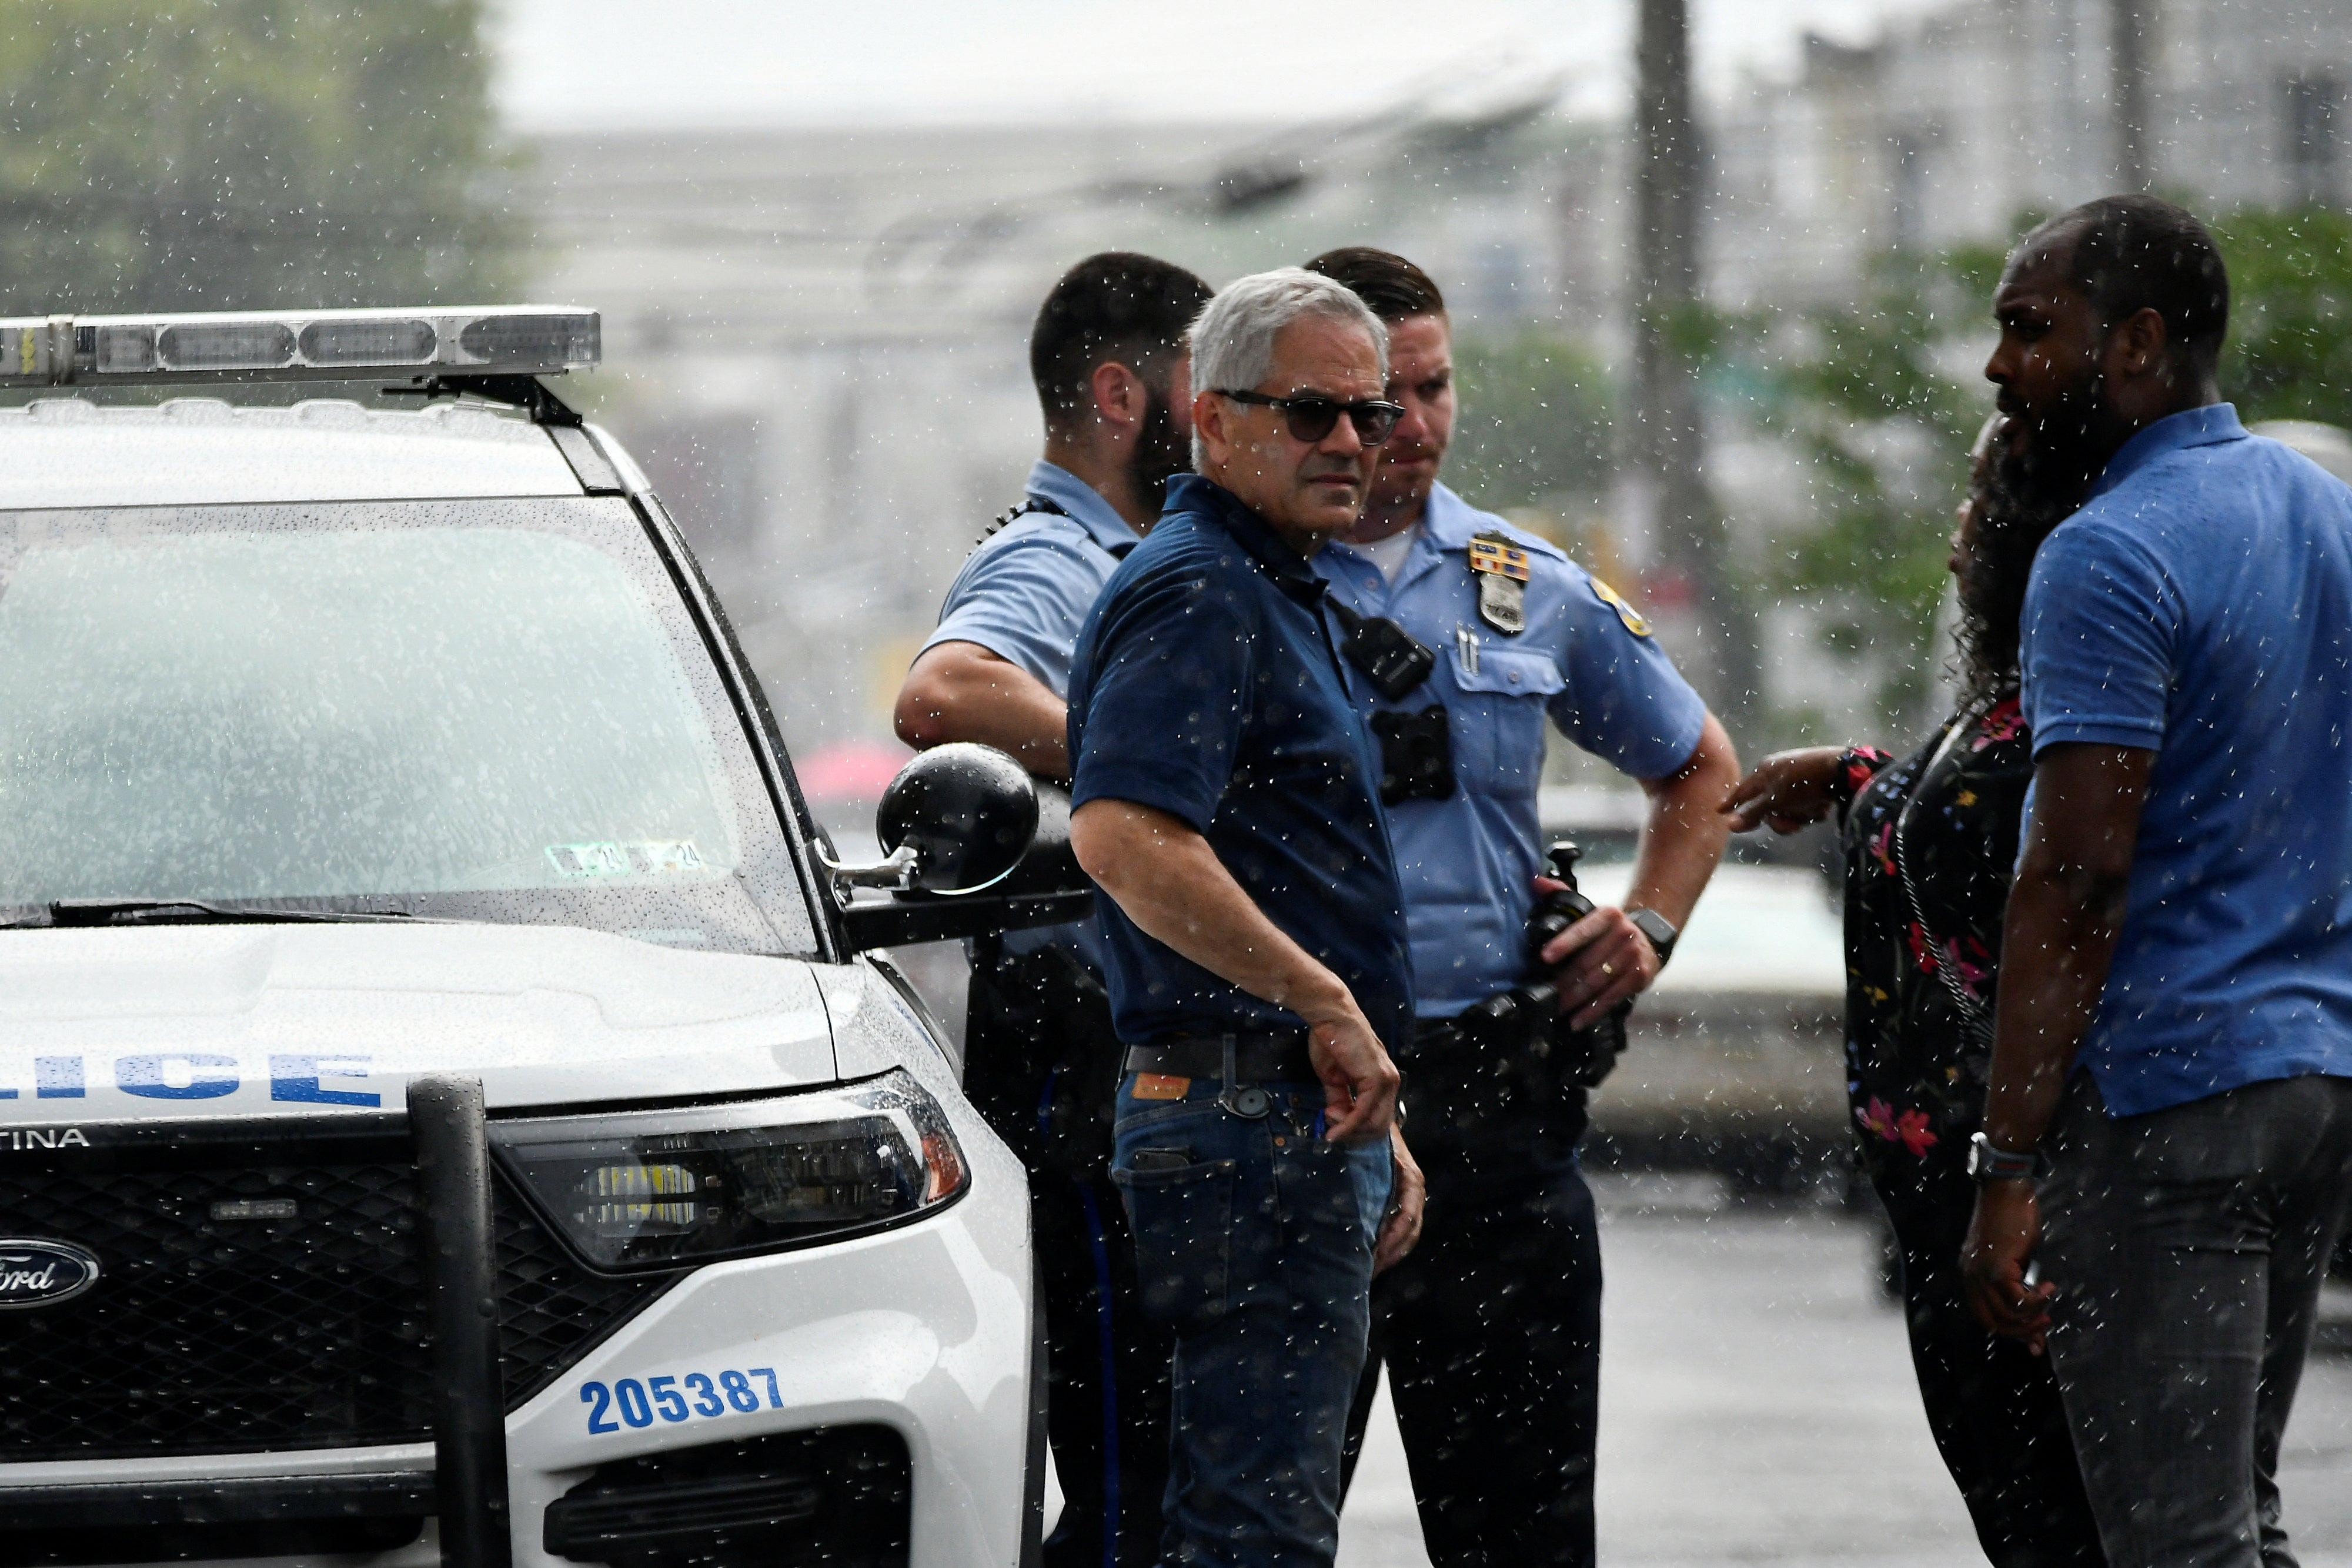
column 1616, row 600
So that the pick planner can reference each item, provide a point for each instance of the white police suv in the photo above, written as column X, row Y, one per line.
column 446, row 1113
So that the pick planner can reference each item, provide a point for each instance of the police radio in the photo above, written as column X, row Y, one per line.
column 1524, row 1024
column 1416, row 748
column 1382, row 652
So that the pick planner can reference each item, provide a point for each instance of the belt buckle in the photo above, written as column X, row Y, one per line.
column 1250, row 1104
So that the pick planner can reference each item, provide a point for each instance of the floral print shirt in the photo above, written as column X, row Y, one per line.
column 1916, row 1052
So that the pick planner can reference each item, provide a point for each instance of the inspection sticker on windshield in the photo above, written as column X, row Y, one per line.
column 589, row 860
column 651, row 857
column 665, row 856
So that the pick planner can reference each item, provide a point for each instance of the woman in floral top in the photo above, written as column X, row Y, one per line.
column 1929, row 843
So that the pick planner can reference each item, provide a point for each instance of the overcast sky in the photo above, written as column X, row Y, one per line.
column 582, row 64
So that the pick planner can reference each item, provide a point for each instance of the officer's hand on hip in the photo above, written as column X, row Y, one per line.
column 1360, row 1082
column 1402, row 1227
column 1599, row 961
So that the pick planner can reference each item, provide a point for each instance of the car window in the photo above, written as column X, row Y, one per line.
column 481, row 710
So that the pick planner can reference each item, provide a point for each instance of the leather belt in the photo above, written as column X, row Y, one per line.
column 1278, row 1056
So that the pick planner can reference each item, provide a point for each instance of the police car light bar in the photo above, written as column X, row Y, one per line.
column 297, row 345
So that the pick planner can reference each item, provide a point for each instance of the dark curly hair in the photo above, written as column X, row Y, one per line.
column 2006, row 527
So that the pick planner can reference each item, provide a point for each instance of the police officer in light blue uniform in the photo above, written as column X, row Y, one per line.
column 1581, row 659
column 1491, row 1330
column 1041, row 1061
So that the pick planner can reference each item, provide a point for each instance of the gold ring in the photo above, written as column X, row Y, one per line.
column 1606, row 970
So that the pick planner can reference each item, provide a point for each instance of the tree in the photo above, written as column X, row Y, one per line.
column 2290, row 349
column 1533, row 426
column 232, row 153
column 1880, row 399
column 1868, row 396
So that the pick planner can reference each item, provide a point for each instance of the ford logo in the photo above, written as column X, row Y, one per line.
column 43, row 1273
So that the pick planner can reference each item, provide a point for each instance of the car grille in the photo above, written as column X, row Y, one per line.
column 834, row 1497
column 209, row 1335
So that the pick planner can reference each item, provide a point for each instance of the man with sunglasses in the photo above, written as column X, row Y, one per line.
column 1226, row 804
column 1491, row 1330
column 1041, row 1059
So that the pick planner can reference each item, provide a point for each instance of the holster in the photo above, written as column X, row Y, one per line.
column 1506, row 1072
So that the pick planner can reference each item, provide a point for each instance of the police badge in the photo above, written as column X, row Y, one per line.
column 1500, row 569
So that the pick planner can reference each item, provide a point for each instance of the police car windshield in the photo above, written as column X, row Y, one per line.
column 485, row 710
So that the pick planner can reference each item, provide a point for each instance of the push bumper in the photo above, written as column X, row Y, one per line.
column 783, row 1389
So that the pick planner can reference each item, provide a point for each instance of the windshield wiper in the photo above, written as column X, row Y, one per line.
column 193, row 912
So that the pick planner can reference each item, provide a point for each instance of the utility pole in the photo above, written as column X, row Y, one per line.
column 1666, row 449
column 2127, row 56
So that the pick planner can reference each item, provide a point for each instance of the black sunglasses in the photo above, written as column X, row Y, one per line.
column 1313, row 417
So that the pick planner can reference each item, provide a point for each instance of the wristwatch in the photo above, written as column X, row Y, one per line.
column 1658, row 929
column 1987, row 1162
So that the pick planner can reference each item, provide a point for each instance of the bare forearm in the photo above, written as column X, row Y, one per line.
column 1166, row 878
column 2058, row 939
column 1681, row 842
column 2057, row 944
column 959, row 691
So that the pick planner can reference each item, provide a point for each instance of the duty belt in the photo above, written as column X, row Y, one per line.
column 1276, row 1056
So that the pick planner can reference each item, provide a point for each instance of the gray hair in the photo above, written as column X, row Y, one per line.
column 1233, row 338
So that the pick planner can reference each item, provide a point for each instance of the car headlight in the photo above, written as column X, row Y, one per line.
column 659, row 1189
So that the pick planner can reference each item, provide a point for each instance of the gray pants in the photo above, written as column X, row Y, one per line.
column 2187, row 1246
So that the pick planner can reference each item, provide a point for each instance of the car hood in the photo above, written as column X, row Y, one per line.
column 173, row 1022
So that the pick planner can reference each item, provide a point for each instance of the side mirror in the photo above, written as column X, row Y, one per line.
column 975, row 846
column 967, row 811
column 956, row 821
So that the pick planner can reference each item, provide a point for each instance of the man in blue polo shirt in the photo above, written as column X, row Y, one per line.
column 1491, row 1330
column 1225, row 795
column 1041, row 1059
column 2175, row 1030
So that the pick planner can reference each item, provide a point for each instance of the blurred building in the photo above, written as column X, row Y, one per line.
column 816, row 339
column 1950, row 128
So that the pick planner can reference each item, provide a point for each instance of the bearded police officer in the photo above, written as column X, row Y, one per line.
column 1491, row 1330
column 1040, row 1057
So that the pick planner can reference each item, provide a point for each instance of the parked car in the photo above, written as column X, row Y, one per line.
column 1734, row 1059
column 447, row 1103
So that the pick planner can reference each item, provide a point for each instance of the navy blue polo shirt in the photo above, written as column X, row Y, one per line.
column 1208, row 684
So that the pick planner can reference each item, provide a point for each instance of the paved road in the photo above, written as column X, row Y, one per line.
column 1757, row 1406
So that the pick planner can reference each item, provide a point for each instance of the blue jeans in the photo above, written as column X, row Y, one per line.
column 1253, row 1241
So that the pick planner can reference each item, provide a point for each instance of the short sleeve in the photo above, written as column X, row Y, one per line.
column 2097, row 643
column 1165, row 701
column 1625, row 701
column 1024, row 596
